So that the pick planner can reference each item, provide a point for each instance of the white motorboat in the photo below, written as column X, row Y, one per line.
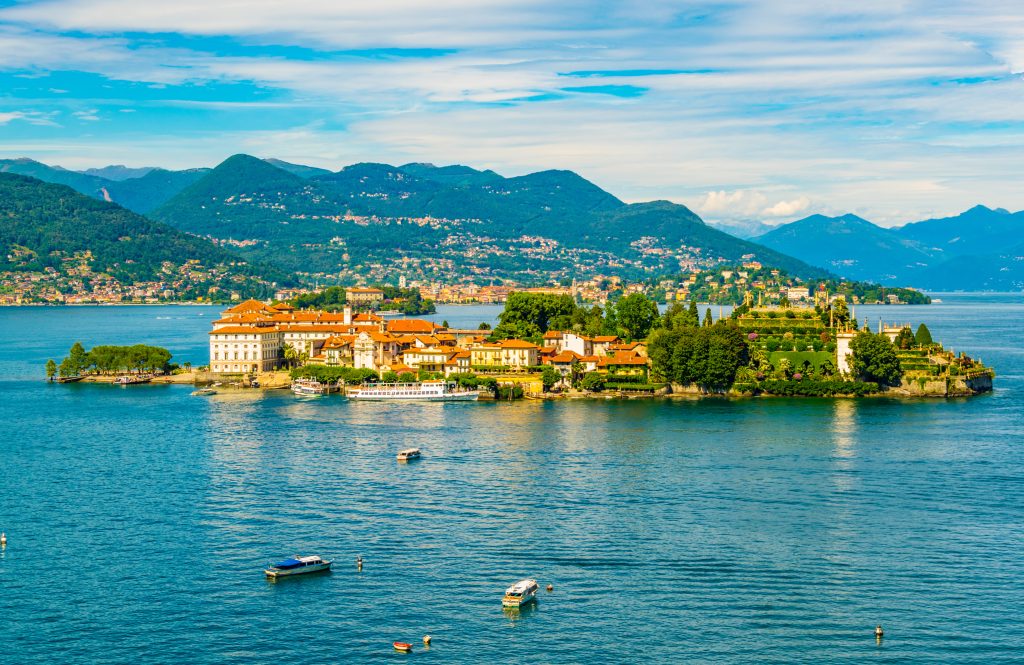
column 311, row 387
column 408, row 454
column 430, row 391
column 203, row 392
column 520, row 593
column 298, row 565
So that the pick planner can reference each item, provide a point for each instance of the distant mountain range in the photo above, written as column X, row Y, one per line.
column 442, row 223
column 979, row 249
column 373, row 220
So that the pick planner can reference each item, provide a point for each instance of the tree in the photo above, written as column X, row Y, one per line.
column 406, row 377
column 923, row 337
column 784, row 301
column 708, row 357
column 549, row 376
column 444, row 324
column 678, row 316
column 874, row 358
column 534, row 311
column 840, row 313
column 905, row 339
column 636, row 314
column 484, row 326
column 707, row 317
column 389, row 377
column 593, row 382
column 51, row 369
column 78, row 358
column 694, row 314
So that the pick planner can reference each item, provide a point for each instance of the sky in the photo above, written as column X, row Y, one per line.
column 742, row 110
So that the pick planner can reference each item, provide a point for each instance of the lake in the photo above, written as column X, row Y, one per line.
column 754, row 530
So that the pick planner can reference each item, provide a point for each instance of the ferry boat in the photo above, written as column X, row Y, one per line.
column 297, row 565
column 431, row 391
column 311, row 387
column 408, row 454
column 520, row 593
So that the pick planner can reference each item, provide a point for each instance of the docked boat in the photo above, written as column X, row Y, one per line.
column 408, row 454
column 203, row 392
column 69, row 379
column 520, row 593
column 132, row 379
column 312, row 387
column 298, row 565
column 430, row 391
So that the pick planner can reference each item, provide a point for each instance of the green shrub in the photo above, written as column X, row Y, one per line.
column 818, row 388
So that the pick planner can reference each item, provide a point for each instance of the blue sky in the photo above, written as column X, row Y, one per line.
column 742, row 110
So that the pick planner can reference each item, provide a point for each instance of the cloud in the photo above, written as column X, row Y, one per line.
column 739, row 109
column 30, row 117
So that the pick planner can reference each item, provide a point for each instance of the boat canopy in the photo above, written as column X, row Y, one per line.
column 288, row 563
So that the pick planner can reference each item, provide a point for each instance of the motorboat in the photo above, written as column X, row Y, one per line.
column 408, row 454
column 520, row 593
column 204, row 392
column 297, row 565
column 311, row 387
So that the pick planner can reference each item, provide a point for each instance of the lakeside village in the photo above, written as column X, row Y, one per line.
column 77, row 284
column 548, row 345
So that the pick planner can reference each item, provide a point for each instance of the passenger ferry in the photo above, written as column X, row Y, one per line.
column 520, row 593
column 431, row 391
column 311, row 387
column 297, row 565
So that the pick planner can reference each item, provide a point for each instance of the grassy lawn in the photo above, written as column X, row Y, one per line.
column 798, row 357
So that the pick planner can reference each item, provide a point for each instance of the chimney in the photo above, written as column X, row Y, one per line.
column 348, row 315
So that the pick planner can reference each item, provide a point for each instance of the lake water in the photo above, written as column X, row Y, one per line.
column 761, row 530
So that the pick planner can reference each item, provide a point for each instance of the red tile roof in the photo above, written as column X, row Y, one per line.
column 411, row 326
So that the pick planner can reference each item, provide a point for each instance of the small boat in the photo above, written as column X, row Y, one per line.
column 132, row 379
column 312, row 387
column 204, row 392
column 297, row 565
column 402, row 646
column 408, row 454
column 69, row 379
column 520, row 593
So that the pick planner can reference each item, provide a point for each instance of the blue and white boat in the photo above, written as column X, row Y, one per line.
column 298, row 565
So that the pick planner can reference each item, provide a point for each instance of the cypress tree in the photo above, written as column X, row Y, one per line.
column 923, row 337
column 707, row 317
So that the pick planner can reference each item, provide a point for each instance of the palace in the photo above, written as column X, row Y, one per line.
column 254, row 337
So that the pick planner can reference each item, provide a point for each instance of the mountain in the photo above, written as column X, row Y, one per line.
column 851, row 247
column 153, row 189
column 744, row 228
column 974, row 232
column 89, row 185
column 373, row 220
column 451, row 175
column 300, row 170
column 55, row 232
column 998, row 270
column 118, row 172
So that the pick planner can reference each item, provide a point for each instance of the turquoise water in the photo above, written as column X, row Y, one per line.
column 767, row 531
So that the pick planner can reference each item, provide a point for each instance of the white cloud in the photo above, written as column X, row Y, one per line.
column 787, row 208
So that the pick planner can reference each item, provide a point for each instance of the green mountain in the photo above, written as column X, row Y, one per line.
column 66, row 236
column 852, row 247
column 441, row 223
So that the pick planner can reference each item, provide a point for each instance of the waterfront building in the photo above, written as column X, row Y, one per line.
column 364, row 295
